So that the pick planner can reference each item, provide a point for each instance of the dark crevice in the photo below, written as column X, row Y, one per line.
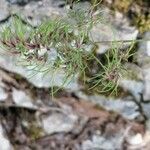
column 5, row 20
column 21, row 2
column 140, row 108
column 15, row 15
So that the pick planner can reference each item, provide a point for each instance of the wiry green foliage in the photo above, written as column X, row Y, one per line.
column 66, row 37
column 110, row 69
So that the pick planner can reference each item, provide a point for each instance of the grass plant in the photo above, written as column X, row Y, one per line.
column 67, row 37
column 111, row 70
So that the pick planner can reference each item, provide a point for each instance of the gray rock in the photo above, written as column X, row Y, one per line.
column 36, row 12
column 146, row 94
column 4, row 12
column 146, row 109
column 126, row 107
column 4, row 142
column 112, row 29
column 20, row 2
column 3, row 94
column 137, row 141
column 148, row 124
column 143, row 55
column 59, row 122
column 132, row 86
column 143, row 58
column 20, row 98
column 100, row 142
column 37, row 78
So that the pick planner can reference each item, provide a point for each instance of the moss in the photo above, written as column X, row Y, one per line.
column 97, row 90
column 29, row 123
column 142, row 22
column 18, row 77
column 99, row 107
column 137, row 11
column 34, row 131
column 122, row 5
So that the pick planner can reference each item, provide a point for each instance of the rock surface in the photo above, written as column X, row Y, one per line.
column 47, row 9
column 126, row 107
column 20, row 98
column 20, row 2
column 133, row 86
column 144, row 61
column 58, row 122
column 4, row 142
column 4, row 11
column 99, row 142
column 36, row 78
column 113, row 29
column 3, row 94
